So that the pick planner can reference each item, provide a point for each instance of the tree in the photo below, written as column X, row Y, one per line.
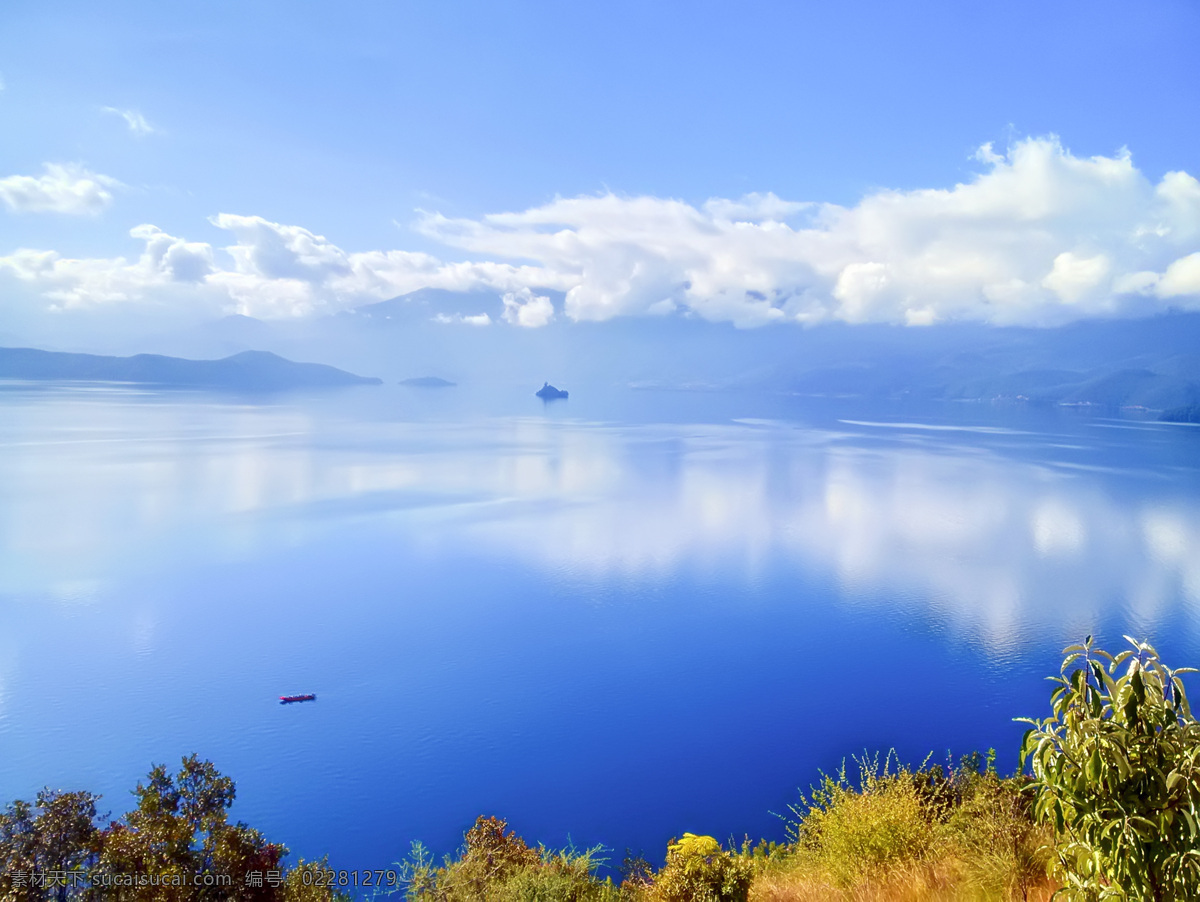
column 180, row 830
column 1116, row 772
column 56, row 835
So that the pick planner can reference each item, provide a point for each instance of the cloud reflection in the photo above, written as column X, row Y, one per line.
column 993, row 540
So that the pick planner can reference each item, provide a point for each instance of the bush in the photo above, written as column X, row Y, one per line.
column 990, row 830
column 855, row 832
column 699, row 870
column 1117, row 775
column 500, row 866
column 955, row 832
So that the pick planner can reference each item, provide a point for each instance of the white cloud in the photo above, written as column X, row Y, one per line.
column 60, row 189
column 1074, row 278
column 281, row 270
column 1182, row 278
column 1039, row 236
column 524, row 308
column 165, row 264
column 136, row 121
column 476, row 319
column 178, row 260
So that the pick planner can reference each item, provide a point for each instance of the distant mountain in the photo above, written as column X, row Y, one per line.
column 438, row 305
column 247, row 371
column 1149, row 363
column 428, row 382
column 1152, row 362
column 425, row 305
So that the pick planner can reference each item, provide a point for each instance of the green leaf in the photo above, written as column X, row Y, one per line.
column 1107, row 680
column 1139, row 687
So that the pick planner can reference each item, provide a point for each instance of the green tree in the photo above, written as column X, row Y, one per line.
column 180, row 829
column 55, row 835
column 1116, row 772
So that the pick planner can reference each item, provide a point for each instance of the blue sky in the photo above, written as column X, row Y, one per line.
column 408, row 127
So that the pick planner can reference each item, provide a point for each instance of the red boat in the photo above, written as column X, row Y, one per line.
column 288, row 699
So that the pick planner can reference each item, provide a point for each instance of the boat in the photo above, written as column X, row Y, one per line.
column 288, row 699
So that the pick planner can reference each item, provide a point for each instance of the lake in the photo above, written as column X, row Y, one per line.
column 609, row 620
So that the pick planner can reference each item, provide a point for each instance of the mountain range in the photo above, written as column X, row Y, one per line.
column 463, row 337
column 247, row 371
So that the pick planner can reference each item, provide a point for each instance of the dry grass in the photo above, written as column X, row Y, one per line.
column 898, row 835
column 943, row 880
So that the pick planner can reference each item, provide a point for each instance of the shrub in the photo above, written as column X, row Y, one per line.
column 1117, row 775
column 990, row 830
column 500, row 866
column 954, row 832
column 853, row 832
column 699, row 870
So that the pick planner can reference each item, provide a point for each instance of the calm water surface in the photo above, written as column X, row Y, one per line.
column 609, row 620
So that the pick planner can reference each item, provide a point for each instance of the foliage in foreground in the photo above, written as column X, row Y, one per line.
column 896, row 833
column 1117, row 774
column 1110, row 812
column 175, row 846
column 500, row 866
column 930, row 833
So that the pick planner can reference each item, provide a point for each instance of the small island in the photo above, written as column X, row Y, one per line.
column 428, row 382
column 549, row 393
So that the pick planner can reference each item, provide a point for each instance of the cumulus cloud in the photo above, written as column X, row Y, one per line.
column 166, row 262
column 465, row 319
column 524, row 308
column 1038, row 236
column 283, row 270
column 1181, row 279
column 273, row 270
column 136, row 121
column 59, row 189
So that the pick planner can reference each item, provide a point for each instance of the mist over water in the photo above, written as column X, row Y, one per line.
column 611, row 620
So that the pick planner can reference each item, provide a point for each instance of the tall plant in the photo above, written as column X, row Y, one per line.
column 1117, row 775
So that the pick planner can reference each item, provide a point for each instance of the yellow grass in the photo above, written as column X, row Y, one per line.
column 945, row 880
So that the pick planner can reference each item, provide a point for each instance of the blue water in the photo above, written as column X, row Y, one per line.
column 609, row 620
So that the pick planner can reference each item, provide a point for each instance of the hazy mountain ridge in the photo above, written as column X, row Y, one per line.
column 1143, row 363
column 1150, row 362
column 248, row 371
column 427, row 382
